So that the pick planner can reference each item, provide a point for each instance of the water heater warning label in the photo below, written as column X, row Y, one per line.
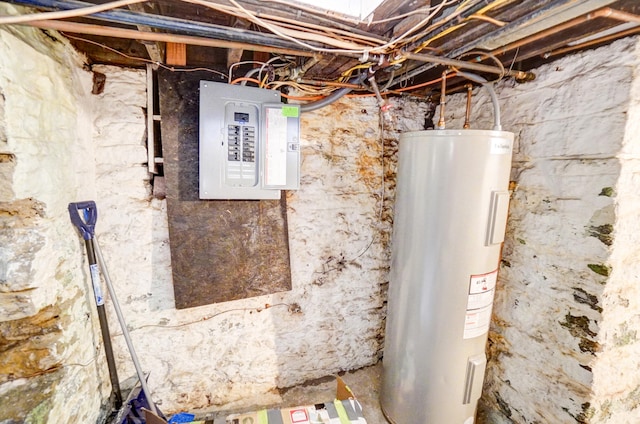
column 479, row 304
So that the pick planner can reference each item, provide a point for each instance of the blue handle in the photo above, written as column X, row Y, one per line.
column 86, row 222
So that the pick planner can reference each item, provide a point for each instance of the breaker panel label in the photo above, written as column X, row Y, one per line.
column 482, row 289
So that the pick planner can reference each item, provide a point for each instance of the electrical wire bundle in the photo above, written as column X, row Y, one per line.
column 381, row 62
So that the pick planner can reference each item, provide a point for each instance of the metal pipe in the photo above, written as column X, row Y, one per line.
column 443, row 92
column 600, row 13
column 123, row 326
column 298, row 71
column 168, row 23
column 461, row 64
column 208, row 42
column 216, row 35
column 376, row 90
column 131, row 34
column 301, row 70
column 467, row 115
column 497, row 126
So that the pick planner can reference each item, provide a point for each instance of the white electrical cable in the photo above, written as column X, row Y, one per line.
column 246, row 62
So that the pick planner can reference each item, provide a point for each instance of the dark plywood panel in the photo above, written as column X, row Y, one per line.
column 220, row 250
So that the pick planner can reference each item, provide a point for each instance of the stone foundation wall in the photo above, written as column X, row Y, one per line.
column 51, row 362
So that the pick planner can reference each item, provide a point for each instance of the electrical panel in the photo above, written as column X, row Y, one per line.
column 249, row 143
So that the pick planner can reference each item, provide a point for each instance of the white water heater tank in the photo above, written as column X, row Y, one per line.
column 450, row 216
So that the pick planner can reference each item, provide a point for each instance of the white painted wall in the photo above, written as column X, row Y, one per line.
column 576, row 141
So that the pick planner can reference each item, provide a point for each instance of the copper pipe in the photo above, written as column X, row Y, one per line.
column 441, row 125
column 158, row 36
column 589, row 43
column 605, row 12
column 467, row 115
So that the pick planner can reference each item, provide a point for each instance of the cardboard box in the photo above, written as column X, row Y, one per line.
column 345, row 409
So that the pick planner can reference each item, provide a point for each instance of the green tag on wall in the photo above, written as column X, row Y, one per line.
column 290, row 111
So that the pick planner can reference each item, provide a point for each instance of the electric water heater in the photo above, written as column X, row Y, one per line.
column 450, row 216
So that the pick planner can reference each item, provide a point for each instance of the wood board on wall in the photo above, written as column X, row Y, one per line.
column 221, row 250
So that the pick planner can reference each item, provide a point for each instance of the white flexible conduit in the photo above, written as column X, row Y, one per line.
column 497, row 126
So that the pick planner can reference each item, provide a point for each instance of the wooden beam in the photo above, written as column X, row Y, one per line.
column 390, row 8
column 261, row 56
column 151, row 138
column 235, row 55
column 177, row 54
column 154, row 50
column 407, row 23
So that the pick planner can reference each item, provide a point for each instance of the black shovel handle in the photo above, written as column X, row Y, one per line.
column 86, row 223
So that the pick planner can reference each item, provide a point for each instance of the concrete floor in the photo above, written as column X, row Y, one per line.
column 364, row 383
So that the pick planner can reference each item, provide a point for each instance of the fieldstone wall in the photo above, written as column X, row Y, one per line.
column 51, row 362
column 616, row 381
column 565, row 316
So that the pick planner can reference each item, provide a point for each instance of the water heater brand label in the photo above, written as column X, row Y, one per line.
column 500, row 147
column 482, row 289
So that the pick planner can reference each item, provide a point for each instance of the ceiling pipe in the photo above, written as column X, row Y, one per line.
column 519, row 75
column 168, row 23
column 327, row 83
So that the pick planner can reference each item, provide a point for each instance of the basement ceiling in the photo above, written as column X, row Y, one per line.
column 405, row 45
